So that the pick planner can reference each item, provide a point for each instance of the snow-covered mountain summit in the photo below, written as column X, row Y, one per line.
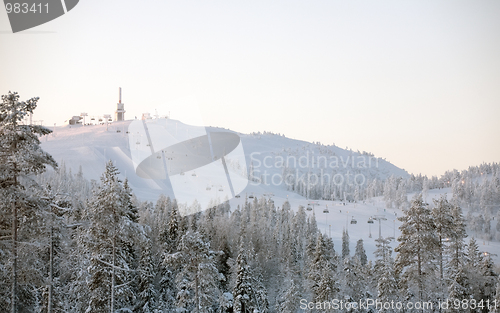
column 274, row 163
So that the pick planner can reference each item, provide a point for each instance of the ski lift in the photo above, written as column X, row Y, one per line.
column 182, row 173
column 158, row 156
column 194, row 174
column 138, row 142
column 237, row 196
column 100, row 120
column 220, row 189
column 118, row 131
column 251, row 196
column 208, row 188
column 370, row 220
column 309, row 208
column 353, row 221
column 325, row 210
column 110, row 120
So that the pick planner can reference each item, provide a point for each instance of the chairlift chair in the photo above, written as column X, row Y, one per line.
column 251, row 196
column 208, row 188
column 220, row 189
column 370, row 220
column 325, row 210
column 353, row 221
column 309, row 208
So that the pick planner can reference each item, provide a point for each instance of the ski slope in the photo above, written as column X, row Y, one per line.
column 89, row 147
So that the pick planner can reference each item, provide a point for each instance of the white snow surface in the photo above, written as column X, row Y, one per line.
column 91, row 146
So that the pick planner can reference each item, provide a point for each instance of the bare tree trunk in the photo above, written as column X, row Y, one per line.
column 114, row 261
column 196, row 291
column 14, row 235
column 51, row 267
column 14, row 258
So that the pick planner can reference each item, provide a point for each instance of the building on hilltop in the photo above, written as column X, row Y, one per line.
column 75, row 120
column 120, row 109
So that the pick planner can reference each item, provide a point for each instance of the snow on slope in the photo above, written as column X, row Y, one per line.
column 91, row 146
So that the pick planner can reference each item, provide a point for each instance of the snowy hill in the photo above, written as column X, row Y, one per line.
column 88, row 148
column 268, row 156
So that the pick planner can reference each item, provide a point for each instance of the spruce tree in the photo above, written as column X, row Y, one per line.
column 146, row 291
column 248, row 293
column 386, row 285
column 345, row 244
column 20, row 157
column 289, row 298
column 360, row 252
column 196, row 280
column 418, row 245
column 109, row 242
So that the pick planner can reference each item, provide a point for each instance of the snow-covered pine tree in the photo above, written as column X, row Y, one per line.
column 197, row 277
column 289, row 298
column 168, row 239
column 472, row 268
column 418, row 245
column 386, row 285
column 248, row 293
column 20, row 157
column 459, row 289
column 56, row 253
column 321, row 273
column 345, row 244
column 353, row 286
column 108, row 240
column 146, row 290
column 360, row 252
column 495, row 308
column 456, row 244
column 443, row 221
column 489, row 279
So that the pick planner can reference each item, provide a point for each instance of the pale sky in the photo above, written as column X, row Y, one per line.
column 415, row 82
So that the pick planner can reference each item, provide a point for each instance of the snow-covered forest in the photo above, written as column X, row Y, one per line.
column 72, row 245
